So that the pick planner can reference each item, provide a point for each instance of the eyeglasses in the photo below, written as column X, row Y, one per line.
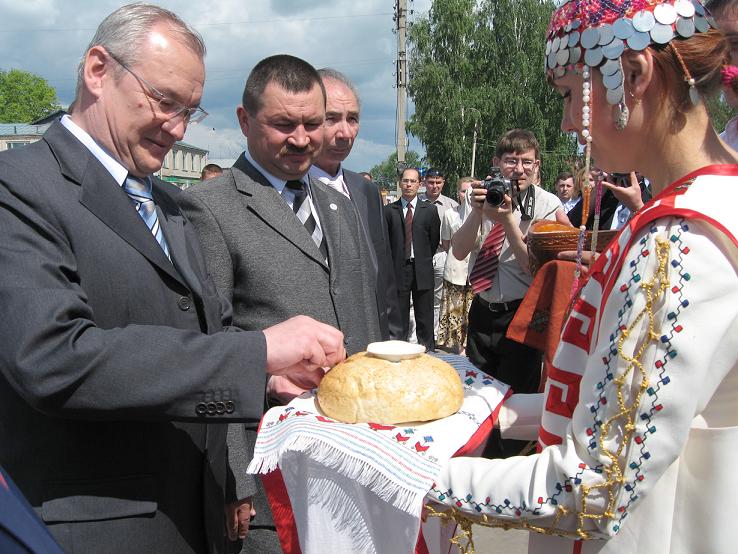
column 165, row 106
column 513, row 162
column 409, row 181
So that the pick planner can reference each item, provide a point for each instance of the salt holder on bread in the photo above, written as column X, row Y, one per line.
column 393, row 382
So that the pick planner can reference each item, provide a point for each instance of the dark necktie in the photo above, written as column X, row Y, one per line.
column 301, row 207
column 139, row 191
column 408, row 231
column 488, row 260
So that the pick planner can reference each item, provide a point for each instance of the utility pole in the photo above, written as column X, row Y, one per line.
column 400, row 19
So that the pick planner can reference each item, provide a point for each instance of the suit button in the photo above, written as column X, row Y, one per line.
column 230, row 407
column 183, row 303
column 211, row 408
column 201, row 408
column 220, row 407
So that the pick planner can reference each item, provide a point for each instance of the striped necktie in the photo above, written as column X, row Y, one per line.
column 488, row 260
column 301, row 207
column 139, row 191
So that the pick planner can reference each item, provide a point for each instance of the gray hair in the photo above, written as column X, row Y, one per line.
column 330, row 73
column 122, row 32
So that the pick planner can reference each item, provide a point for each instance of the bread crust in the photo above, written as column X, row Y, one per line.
column 364, row 389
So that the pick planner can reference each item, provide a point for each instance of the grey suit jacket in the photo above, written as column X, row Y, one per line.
column 262, row 259
column 112, row 360
column 368, row 202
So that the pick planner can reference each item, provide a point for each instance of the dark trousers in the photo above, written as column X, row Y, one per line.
column 422, row 304
column 508, row 361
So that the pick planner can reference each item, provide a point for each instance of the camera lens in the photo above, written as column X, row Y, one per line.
column 495, row 197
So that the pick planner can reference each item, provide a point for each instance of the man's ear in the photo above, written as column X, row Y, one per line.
column 243, row 120
column 638, row 71
column 96, row 67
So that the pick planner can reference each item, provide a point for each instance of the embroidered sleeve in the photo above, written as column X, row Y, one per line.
column 650, row 356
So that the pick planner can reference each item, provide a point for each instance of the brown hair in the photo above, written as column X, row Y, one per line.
column 703, row 54
column 516, row 141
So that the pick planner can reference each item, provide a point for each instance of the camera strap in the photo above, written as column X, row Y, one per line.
column 528, row 204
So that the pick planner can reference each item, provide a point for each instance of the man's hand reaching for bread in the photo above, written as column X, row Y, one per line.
column 299, row 348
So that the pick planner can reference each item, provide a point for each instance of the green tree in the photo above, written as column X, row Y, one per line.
column 720, row 112
column 386, row 174
column 480, row 64
column 25, row 97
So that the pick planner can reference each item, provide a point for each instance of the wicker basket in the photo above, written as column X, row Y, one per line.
column 547, row 238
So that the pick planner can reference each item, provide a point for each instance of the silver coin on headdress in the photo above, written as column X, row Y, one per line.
column 665, row 13
column 576, row 24
column 606, row 34
column 701, row 24
column 610, row 67
column 685, row 27
column 551, row 60
column 593, row 56
column 562, row 56
column 623, row 28
column 698, row 7
column 548, row 47
column 555, row 43
column 614, row 96
column 590, row 37
column 685, row 8
column 639, row 41
column 643, row 21
column 573, row 38
column 613, row 81
column 614, row 49
column 662, row 34
column 575, row 54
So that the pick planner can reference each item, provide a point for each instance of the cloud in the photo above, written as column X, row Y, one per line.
column 48, row 37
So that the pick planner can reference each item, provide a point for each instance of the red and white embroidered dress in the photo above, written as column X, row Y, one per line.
column 639, row 432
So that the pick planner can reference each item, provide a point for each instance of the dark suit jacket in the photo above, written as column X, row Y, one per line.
column 21, row 530
column 426, row 236
column 368, row 202
column 112, row 359
column 263, row 260
column 261, row 257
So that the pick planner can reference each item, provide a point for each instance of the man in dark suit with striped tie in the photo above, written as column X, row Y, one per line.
column 414, row 230
column 119, row 368
column 278, row 243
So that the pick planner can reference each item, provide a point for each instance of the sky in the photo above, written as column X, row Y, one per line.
column 48, row 38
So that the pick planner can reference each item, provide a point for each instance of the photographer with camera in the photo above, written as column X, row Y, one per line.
column 503, row 208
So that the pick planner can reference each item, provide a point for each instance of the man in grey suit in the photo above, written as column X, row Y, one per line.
column 114, row 355
column 341, row 127
column 278, row 243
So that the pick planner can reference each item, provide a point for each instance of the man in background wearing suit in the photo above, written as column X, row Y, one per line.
column 114, row 353
column 341, row 127
column 434, row 183
column 277, row 243
column 414, row 233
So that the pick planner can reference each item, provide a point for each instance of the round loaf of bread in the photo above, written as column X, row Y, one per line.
column 365, row 388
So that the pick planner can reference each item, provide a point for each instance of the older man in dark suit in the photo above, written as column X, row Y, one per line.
column 278, row 243
column 414, row 233
column 113, row 353
column 341, row 128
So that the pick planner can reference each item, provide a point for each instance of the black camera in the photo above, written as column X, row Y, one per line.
column 497, row 187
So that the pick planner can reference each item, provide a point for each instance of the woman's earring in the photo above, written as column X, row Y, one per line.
column 621, row 115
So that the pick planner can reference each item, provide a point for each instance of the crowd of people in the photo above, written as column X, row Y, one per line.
column 148, row 328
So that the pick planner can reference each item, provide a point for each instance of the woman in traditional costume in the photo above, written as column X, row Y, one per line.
column 639, row 432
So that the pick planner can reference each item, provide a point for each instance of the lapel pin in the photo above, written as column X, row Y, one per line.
column 333, row 207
